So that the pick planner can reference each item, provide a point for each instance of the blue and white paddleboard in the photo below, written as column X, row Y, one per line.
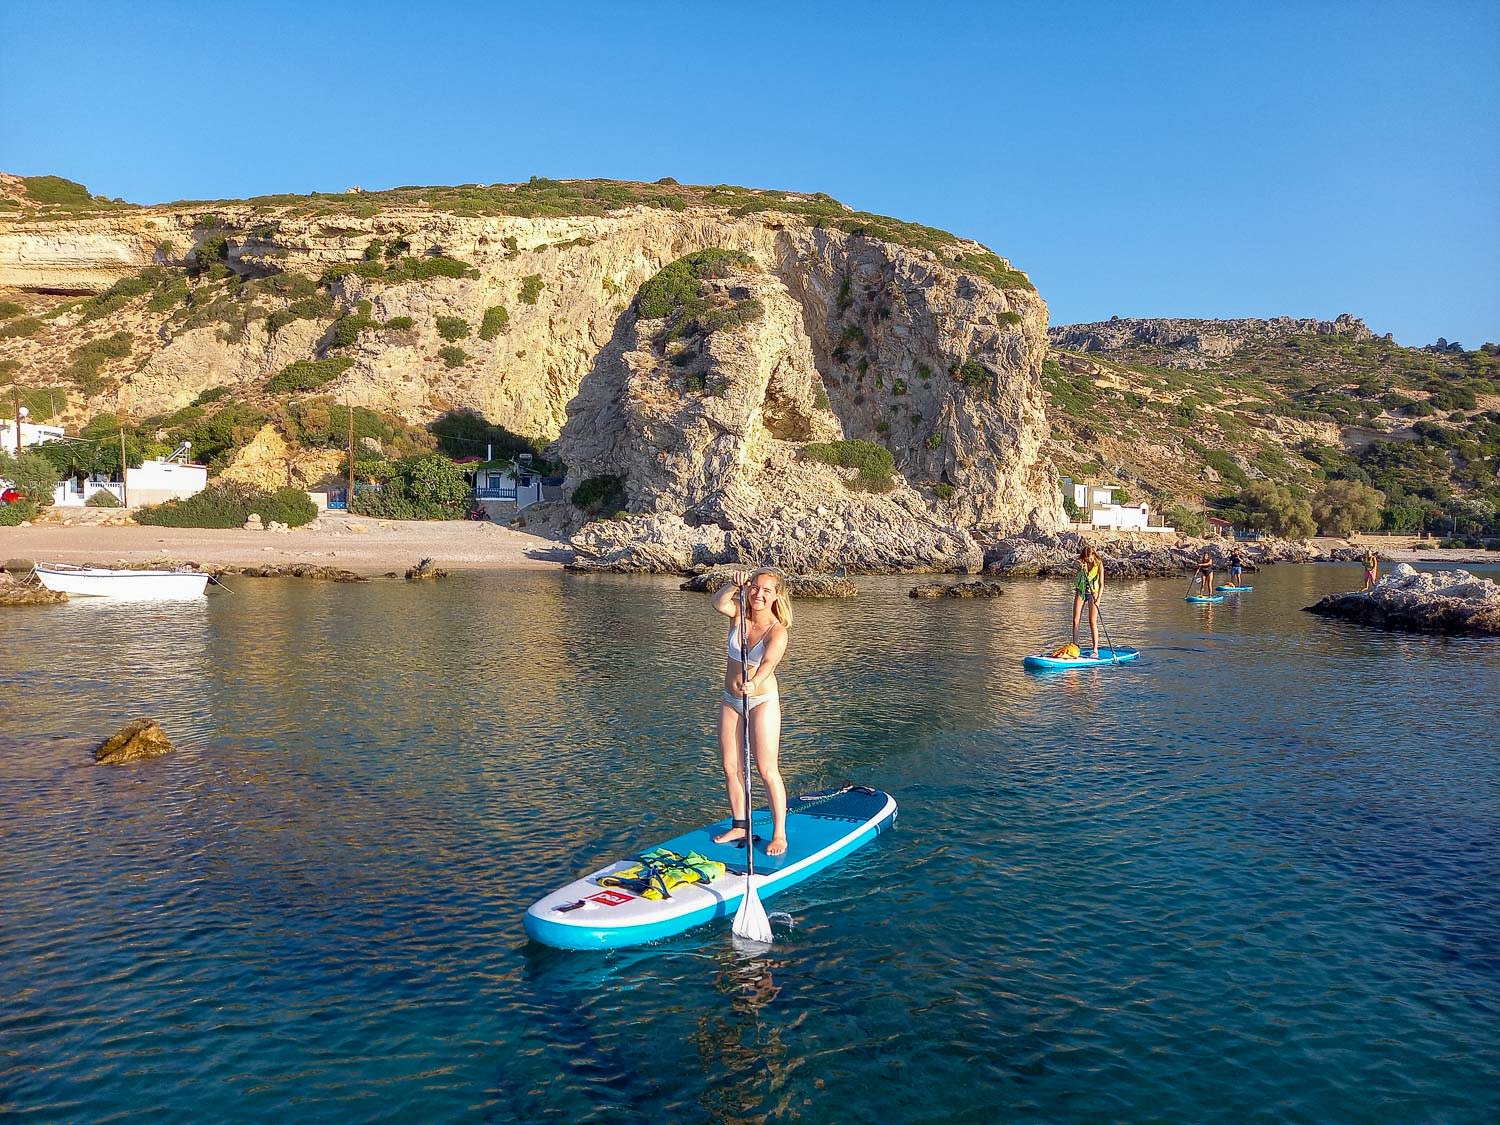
column 1045, row 662
column 1204, row 598
column 821, row 828
column 1235, row 589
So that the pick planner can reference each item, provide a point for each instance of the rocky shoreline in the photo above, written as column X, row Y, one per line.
column 1143, row 556
column 1447, row 602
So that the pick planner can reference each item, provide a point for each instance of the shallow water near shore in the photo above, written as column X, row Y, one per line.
column 1253, row 875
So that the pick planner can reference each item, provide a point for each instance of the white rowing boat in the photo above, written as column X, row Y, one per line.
column 138, row 585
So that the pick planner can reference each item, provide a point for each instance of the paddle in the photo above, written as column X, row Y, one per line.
column 750, row 921
column 1113, row 658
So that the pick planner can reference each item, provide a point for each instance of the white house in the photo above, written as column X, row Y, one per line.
column 168, row 478
column 500, row 480
column 1097, row 507
column 31, row 433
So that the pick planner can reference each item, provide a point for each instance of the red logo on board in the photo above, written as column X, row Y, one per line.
column 610, row 898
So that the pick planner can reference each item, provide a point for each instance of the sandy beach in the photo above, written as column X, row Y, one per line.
column 359, row 544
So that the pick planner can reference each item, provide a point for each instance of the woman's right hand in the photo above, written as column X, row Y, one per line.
column 739, row 577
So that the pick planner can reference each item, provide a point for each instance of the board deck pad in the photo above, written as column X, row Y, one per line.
column 822, row 828
column 1046, row 662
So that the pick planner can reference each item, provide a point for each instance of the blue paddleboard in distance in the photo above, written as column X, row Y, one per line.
column 1204, row 598
column 821, row 828
column 1045, row 662
column 1235, row 589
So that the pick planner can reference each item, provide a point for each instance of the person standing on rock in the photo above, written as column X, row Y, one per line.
column 1087, row 587
column 1372, row 568
column 752, row 673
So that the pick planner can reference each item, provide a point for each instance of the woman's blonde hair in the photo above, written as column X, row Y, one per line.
column 781, row 605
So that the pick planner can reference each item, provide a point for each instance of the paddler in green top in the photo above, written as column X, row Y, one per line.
column 1086, row 589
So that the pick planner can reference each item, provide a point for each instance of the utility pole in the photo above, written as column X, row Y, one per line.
column 124, row 469
column 349, row 499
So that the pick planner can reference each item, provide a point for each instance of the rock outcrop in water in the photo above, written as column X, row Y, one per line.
column 134, row 742
column 1452, row 602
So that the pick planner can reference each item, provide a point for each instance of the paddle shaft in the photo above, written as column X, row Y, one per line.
column 745, row 742
column 1113, row 659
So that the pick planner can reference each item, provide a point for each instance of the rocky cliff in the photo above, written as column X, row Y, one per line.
column 518, row 302
column 1189, row 343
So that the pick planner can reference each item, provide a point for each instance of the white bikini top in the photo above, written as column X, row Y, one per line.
column 757, row 650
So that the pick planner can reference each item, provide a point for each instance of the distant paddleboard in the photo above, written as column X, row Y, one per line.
column 1045, row 662
column 1235, row 589
column 821, row 828
column 1204, row 598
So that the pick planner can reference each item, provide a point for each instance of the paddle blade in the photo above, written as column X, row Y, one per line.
column 750, row 921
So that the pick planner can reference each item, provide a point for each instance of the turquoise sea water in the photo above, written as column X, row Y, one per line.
column 1255, row 876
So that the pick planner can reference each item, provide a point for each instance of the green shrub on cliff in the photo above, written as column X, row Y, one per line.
column 600, row 496
column 21, row 326
column 453, row 328
column 453, row 356
column 496, row 320
column 346, row 329
column 975, row 376
column 85, row 360
column 531, row 288
column 308, row 374
column 875, row 464
column 677, row 293
column 229, row 504
column 9, row 309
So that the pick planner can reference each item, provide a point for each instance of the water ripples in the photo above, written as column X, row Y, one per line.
column 1252, row 875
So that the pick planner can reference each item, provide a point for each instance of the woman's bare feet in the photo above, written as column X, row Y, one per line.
column 734, row 835
column 777, row 846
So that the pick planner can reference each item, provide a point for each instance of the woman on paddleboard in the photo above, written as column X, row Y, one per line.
column 1204, row 574
column 1087, row 587
column 768, row 616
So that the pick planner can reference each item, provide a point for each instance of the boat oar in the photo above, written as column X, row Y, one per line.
column 750, row 921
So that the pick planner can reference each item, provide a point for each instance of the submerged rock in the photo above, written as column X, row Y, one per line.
column 979, row 588
column 296, row 570
column 1450, row 602
column 134, row 742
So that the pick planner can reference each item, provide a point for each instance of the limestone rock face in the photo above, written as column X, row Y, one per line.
column 913, row 347
column 134, row 742
column 1452, row 602
column 268, row 463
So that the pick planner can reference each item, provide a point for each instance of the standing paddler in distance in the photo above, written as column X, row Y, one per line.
column 1087, row 587
column 1236, row 567
column 1203, row 574
column 752, row 674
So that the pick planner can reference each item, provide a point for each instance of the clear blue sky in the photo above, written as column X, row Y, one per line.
column 1136, row 159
